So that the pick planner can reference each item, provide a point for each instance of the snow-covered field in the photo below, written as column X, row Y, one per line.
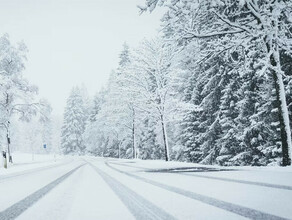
column 26, row 161
column 105, row 188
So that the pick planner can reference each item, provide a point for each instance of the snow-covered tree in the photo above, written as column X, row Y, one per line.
column 149, row 148
column 261, row 29
column 120, row 113
column 228, row 142
column 74, row 123
column 151, row 77
column 17, row 96
column 114, row 120
column 97, row 103
column 56, row 134
column 124, row 56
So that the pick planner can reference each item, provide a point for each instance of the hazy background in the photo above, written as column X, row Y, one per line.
column 72, row 42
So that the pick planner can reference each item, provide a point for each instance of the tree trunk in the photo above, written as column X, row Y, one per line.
column 8, row 143
column 282, row 111
column 165, row 139
column 134, row 136
column 119, row 151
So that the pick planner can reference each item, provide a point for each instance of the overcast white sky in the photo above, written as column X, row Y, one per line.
column 72, row 42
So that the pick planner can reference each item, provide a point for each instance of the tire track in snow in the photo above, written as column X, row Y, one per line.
column 140, row 208
column 15, row 210
column 237, row 209
column 240, row 181
column 190, row 173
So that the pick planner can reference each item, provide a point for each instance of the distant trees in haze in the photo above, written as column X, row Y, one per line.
column 75, row 116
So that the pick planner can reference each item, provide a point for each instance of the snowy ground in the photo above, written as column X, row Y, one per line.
column 96, row 188
column 25, row 162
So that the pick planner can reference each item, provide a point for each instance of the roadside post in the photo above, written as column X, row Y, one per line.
column 5, row 159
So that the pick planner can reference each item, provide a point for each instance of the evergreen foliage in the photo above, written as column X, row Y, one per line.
column 74, row 124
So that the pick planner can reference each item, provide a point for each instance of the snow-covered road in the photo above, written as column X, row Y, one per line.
column 97, row 188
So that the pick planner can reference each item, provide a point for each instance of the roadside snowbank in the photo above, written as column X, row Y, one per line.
column 26, row 161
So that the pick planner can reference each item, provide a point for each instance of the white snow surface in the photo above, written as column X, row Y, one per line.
column 107, row 188
column 26, row 161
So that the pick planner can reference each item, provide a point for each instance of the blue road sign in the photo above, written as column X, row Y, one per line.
column 45, row 146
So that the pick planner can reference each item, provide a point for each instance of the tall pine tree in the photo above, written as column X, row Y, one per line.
column 73, row 124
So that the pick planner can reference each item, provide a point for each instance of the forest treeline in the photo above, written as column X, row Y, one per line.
column 215, row 88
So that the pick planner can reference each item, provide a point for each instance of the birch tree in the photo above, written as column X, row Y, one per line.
column 151, row 79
